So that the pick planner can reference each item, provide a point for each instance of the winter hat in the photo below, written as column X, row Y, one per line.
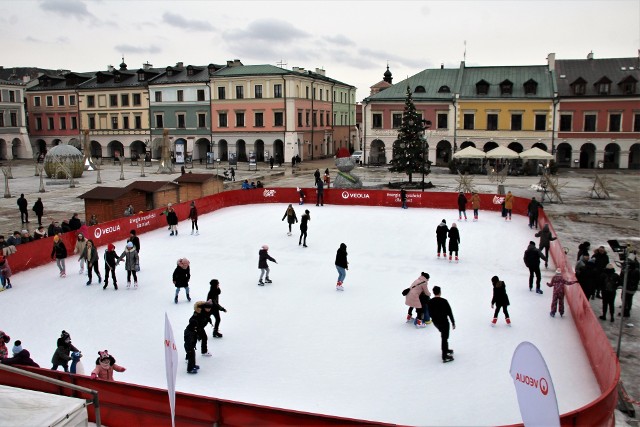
column 425, row 275
column 80, row 235
column 102, row 355
column 25, row 232
column 444, row 222
column 558, row 271
column 495, row 279
column 183, row 262
column 214, row 282
column 129, row 245
column 454, row 225
column 531, row 242
column 4, row 337
column 265, row 247
column 111, row 247
column 436, row 290
column 17, row 348
column 306, row 211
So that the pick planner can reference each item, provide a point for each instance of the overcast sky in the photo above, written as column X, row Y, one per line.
column 351, row 40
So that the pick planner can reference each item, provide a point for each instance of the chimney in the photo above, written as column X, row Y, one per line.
column 442, row 65
column 147, row 66
column 237, row 63
column 551, row 61
column 298, row 69
column 179, row 65
column 590, row 55
column 110, row 68
column 321, row 71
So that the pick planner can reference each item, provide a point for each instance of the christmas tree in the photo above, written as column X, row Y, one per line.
column 409, row 150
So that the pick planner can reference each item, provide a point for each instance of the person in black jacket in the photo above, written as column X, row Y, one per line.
column 290, row 215
column 214, row 297
column 135, row 240
column 263, row 257
column 583, row 249
column 532, row 210
column 21, row 357
column 303, row 228
column 462, row 206
column 545, row 242
column 342, row 265
column 454, row 241
column 172, row 220
column 59, row 253
column 633, row 277
column 440, row 312
column 532, row 257
column 22, row 206
column 110, row 263
column 38, row 209
column 610, row 283
column 403, row 198
column 61, row 355
column 202, row 314
column 190, row 341
column 181, row 277
column 75, row 223
column 500, row 300
column 442, row 231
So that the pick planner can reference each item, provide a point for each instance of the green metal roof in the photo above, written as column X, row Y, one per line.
column 270, row 70
column 432, row 80
column 517, row 75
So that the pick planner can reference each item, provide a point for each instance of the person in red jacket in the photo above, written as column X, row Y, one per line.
column 105, row 365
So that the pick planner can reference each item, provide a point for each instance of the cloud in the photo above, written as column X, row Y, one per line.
column 32, row 39
column 128, row 48
column 266, row 30
column 66, row 8
column 178, row 21
column 379, row 56
column 340, row 40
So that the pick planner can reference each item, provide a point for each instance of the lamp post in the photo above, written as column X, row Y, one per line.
column 426, row 124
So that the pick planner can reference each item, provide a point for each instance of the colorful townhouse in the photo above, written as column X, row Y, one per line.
column 263, row 111
column 180, row 102
column 14, row 139
column 54, row 117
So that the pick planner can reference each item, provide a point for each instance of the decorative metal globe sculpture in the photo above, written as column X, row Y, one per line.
column 63, row 160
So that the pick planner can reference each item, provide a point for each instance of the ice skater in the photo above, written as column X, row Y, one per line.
column 532, row 257
column 442, row 231
column 190, row 342
column 5, row 273
column 263, row 257
column 440, row 311
column 202, row 314
column 403, row 198
column 532, row 211
column 181, row 277
column 342, row 265
column 193, row 216
column 454, row 241
column 172, row 220
column 508, row 205
column 214, row 298
column 110, row 263
column 130, row 257
column 475, row 204
column 301, row 194
column 90, row 255
column 290, row 215
column 59, row 253
column 79, row 249
column 414, row 298
column 105, row 367
column 545, row 242
column 462, row 206
column 61, row 356
column 558, row 284
column 319, row 192
column 500, row 300
column 303, row 228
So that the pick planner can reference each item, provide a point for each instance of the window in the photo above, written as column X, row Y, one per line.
column 12, row 96
column 50, row 123
column 13, row 118
column 277, row 91
column 377, row 121
column 590, row 122
column 159, row 121
column 443, row 120
column 181, row 121
column 541, row 122
column 628, row 86
column 137, row 122
column 299, row 118
column 36, row 101
column 314, row 118
column 636, row 122
column 63, row 123
column 259, row 120
column 74, row 122
column 328, row 123
column 566, row 122
column 114, row 122
column 579, row 86
column 221, row 93
column 306, row 117
column 321, row 119
column 321, row 94
column 419, row 89
column 38, row 123
column 113, row 100
column 530, row 87
column 615, row 119
column 469, row 119
column 61, row 100
column 482, row 87
column 314, row 93
column 306, row 92
column 92, row 122
column 1, row 119
column 137, row 99
column 202, row 120
column 257, row 91
column 91, row 101
column 158, row 96
column 239, row 92
column 125, row 122
column 604, row 87
column 516, row 121
column 396, row 120
column 222, row 119
column 239, row 118
column 49, row 101
column 180, row 96
column 444, row 89
column 506, row 88
column 200, row 94
column 492, row 121
column 72, row 100
column 278, row 118
column 124, row 99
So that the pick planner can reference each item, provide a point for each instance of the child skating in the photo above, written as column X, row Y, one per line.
column 263, row 257
column 342, row 265
column 290, row 216
column 500, row 300
column 5, row 273
column 131, row 264
column 110, row 263
column 181, row 277
column 558, row 284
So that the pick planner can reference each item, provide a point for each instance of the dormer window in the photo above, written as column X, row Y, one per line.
column 419, row 89
column 628, row 85
column 506, row 88
column 530, row 87
column 579, row 86
column 141, row 77
column 444, row 89
column 603, row 86
column 117, row 78
column 189, row 70
column 482, row 87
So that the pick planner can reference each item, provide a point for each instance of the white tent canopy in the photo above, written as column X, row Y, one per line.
column 19, row 407
column 469, row 153
column 535, row 153
column 501, row 152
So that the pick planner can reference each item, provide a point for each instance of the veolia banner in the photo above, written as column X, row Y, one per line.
column 171, row 364
column 536, row 395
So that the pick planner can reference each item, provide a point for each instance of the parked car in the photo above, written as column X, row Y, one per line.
column 357, row 156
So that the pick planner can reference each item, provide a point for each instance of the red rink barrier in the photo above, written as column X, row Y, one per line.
column 129, row 404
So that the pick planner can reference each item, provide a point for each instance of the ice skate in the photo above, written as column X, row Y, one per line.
column 288, row 233
column 420, row 324
column 450, row 351
column 409, row 318
column 171, row 234
column 135, row 285
column 128, row 285
column 115, row 286
column 104, row 287
column 447, row 358
column 267, row 280
column 63, row 274
column 260, row 283
column 99, row 278
column 9, row 287
column 508, row 321
column 552, row 314
column 339, row 288
column 197, row 233
column 304, row 245
column 88, row 282
column 207, row 354
column 493, row 322
column 81, row 271
column 449, row 258
column 193, row 371
column 217, row 334
column 457, row 259
column 192, row 232
column 539, row 291
column 188, row 298
column 175, row 300
column 438, row 254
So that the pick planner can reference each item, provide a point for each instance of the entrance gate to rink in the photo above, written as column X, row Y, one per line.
column 126, row 404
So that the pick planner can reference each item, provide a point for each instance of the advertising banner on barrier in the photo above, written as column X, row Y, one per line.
column 171, row 364
column 536, row 395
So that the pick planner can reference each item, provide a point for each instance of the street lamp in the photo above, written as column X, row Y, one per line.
column 426, row 124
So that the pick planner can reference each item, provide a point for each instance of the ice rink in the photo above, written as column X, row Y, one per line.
column 299, row 344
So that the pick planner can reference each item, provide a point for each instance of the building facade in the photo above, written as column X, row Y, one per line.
column 14, row 139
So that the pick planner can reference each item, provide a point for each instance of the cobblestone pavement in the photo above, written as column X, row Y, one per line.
column 578, row 218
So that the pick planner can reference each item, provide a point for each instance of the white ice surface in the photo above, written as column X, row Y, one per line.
column 298, row 343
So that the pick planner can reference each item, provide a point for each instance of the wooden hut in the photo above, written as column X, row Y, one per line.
column 196, row 185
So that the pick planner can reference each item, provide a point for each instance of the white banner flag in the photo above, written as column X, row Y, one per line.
column 171, row 364
column 536, row 395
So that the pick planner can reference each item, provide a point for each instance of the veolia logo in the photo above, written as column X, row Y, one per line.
column 544, row 386
column 269, row 193
column 540, row 384
column 497, row 200
column 347, row 195
column 99, row 231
